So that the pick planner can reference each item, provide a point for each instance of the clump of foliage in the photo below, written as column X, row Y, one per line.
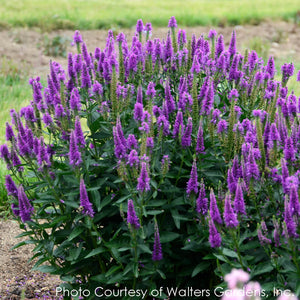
column 188, row 167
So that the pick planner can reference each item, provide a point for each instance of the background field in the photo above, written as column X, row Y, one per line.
column 95, row 14
column 43, row 20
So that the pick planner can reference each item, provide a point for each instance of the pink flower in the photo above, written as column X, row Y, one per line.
column 287, row 295
column 252, row 291
column 236, row 277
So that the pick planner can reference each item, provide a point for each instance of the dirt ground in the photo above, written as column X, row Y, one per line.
column 280, row 39
column 25, row 47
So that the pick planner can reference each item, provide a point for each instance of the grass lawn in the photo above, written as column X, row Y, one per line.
column 94, row 14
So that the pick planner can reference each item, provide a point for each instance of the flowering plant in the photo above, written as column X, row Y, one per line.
column 154, row 163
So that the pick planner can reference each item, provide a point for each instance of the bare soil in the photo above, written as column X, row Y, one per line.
column 25, row 47
column 280, row 39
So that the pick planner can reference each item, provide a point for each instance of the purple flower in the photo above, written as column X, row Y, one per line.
column 11, row 186
column 251, row 165
column 150, row 142
column 178, row 125
column 239, row 203
column 148, row 27
column 139, row 26
column 78, row 132
column 47, row 119
column 271, row 67
column 231, row 181
column 172, row 23
column 298, row 76
column 143, row 180
column 289, row 221
column 200, row 141
column 263, row 239
column 219, row 46
column 85, row 77
column 181, row 37
column 287, row 71
column 294, row 201
column 214, row 236
column 192, row 185
column 59, row 111
column 163, row 123
column 131, row 142
column 133, row 159
column 222, row 126
column 168, row 49
column 169, row 98
column 77, row 38
column 151, row 90
column 213, row 208
column 42, row 157
column 97, row 88
column 74, row 154
column 274, row 135
column 195, row 66
column 289, row 151
column 212, row 34
column 25, row 207
column 157, row 251
column 232, row 45
column 186, row 139
column 138, row 112
column 120, row 37
column 230, row 217
column 9, row 133
column 202, row 201
column 75, row 100
column 84, row 201
column 132, row 218
column 208, row 100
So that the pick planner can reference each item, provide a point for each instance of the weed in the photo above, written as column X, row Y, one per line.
column 56, row 46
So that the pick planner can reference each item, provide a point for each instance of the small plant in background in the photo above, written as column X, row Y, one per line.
column 54, row 46
column 188, row 167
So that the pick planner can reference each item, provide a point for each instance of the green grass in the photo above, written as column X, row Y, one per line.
column 93, row 14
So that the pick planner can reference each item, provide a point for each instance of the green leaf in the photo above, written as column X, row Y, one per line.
column 112, row 270
column 77, row 231
column 46, row 269
column 262, row 268
column 145, row 249
column 95, row 252
column 230, row 253
column 200, row 267
column 161, row 273
column 176, row 217
column 167, row 237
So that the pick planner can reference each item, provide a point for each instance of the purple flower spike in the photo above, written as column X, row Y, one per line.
column 148, row 27
column 78, row 132
column 132, row 218
column 25, row 206
column 215, row 239
column 289, row 151
column 230, row 218
column 186, row 139
column 271, row 67
column 138, row 112
column 172, row 23
column 200, row 141
column 231, row 181
column 85, row 77
column 212, row 34
column 192, row 185
column 232, row 45
column 298, row 76
column 151, row 92
column 195, row 66
column 202, row 201
column 139, row 26
column 77, row 38
column 84, row 201
column 75, row 103
column 9, row 133
column 213, row 208
column 143, row 180
column 289, row 221
column 11, row 186
column 294, row 201
column 219, row 46
column 74, row 154
column 239, row 203
column 157, row 251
